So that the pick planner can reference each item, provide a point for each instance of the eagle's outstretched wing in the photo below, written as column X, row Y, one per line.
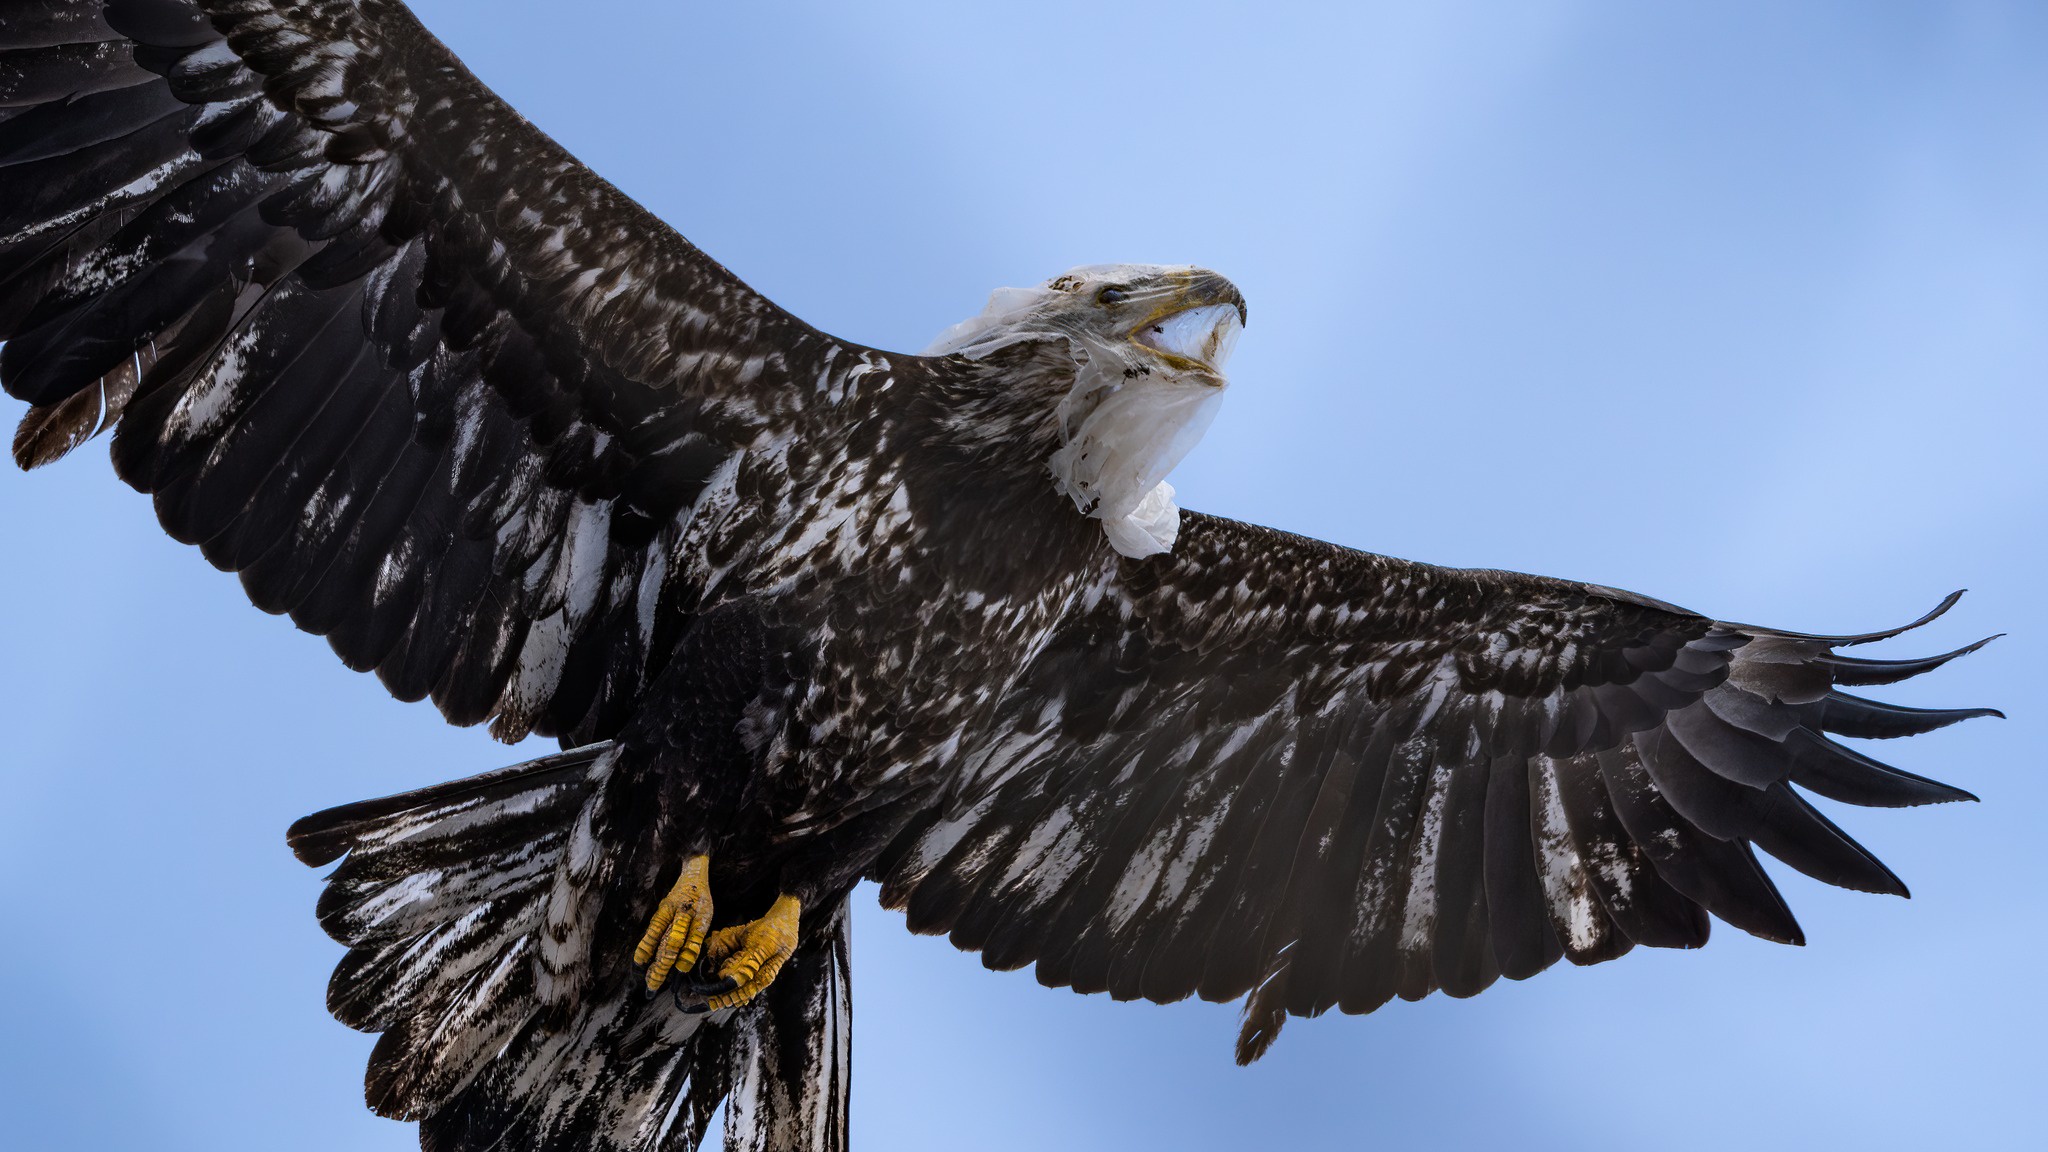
column 1264, row 762
column 379, row 345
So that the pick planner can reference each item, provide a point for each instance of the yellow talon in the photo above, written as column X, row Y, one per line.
column 753, row 953
column 675, row 937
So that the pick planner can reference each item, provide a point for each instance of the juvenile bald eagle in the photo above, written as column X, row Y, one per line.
column 803, row 612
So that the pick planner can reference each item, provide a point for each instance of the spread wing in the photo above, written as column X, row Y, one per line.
column 1264, row 762
column 380, row 346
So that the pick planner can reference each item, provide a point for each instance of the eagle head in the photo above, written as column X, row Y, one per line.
column 1149, row 344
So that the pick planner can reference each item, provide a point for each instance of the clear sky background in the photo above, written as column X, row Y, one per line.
column 1741, row 305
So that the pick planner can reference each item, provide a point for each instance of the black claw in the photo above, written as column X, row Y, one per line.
column 718, row 987
column 696, row 1009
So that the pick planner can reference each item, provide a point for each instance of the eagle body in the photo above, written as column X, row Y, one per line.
column 828, row 694
column 803, row 613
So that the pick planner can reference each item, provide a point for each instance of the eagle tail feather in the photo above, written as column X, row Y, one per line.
column 467, row 908
column 797, row 1042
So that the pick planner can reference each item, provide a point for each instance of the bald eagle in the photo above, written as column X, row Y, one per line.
column 802, row 612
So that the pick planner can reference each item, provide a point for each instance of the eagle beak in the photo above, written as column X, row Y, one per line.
column 1202, row 337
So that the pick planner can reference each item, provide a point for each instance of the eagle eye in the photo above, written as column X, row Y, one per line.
column 1111, row 296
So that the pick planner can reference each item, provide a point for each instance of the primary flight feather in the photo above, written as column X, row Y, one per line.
column 803, row 612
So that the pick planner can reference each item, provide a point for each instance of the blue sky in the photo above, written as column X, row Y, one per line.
column 1740, row 305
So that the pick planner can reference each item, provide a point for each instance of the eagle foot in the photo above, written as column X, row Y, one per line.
column 747, row 957
column 675, row 937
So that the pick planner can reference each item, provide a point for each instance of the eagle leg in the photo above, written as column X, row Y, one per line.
column 675, row 937
column 747, row 957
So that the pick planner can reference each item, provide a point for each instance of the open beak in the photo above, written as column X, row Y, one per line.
column 1203, row 336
